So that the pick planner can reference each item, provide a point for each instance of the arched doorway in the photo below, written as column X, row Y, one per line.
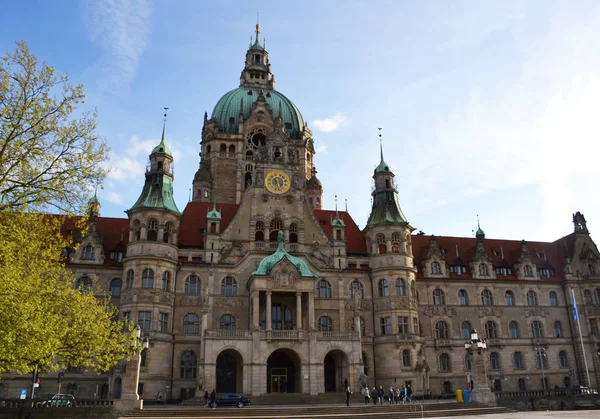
column 336, row 370
column 230, row 372
column 117, row 388
column 283, row 372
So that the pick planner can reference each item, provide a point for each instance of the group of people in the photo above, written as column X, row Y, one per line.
column 210, row 400
column 395, row 395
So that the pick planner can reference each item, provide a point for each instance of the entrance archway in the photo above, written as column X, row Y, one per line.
column 283, row 372
column 336, row 370
column 230, row 372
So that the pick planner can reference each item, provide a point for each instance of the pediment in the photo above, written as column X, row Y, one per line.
column 284, row 275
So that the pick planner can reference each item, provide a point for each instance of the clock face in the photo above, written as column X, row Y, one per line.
column 277, row 182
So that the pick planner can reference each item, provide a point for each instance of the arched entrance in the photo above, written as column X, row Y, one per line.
column 117, row 388
column 230, row 372
column 283, row 372
column 336, row 370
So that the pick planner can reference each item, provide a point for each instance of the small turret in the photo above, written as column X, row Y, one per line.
column 94, row 206
column 314, row 190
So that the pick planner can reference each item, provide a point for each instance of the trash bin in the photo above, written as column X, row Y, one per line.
column 459, row 396
column 466, row 395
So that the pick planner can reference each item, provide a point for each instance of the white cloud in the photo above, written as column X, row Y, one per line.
column 115, row 198
column 121, row 28
column 322, row 148
column 332, row 123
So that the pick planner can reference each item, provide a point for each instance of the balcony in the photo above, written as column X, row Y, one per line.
column 228, row 334
column 328, row 336
column 282, row 334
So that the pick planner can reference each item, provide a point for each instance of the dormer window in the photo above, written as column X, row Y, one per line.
column 435, row 268
column 528, row 271
column 483, row 269
column 87, row 253
column 503, row 271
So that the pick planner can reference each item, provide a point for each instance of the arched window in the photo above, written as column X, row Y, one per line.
column 491, row 331
column 384, row 289
column 435, row 268
column 395, row 243
column 281, row 318
column 324, row 324
column 558, row 330
column 323, row 289
column 486, row 298
column 587, row 297
column 148, row 278
column 483, row 269
column 532, row 299
column 247, row 180
column 130, row 276
column 444, row 363
column 553, row 299
column 191, row 324
column 528, row 271
column 259, row 232
column 363, row 328
column 137, row 227
column 152, row 232
column 518, row 360
column 223, row 149
column 293, row 233
column 84, row 284
column 406, row 358
column 494, row 361
column 400, row 288
column 439, row 298
column 229, row 287
column 465, row 330
column 192, row 285
column 87, row 253
column 381, row 244
column 513, row 330
column 536, row 329
column 143, row 356
column 562, row 358
column 441, row 330
column 166, row 281
column 188, row 365
column 356, row 287
column 227, row 322
column 463, row 298
column 231, row 150
column 274, row 229
column 509, row 296
column 115, row 287
column 167, row 232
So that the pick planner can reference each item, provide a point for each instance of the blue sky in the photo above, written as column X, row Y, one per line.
column 487, row 108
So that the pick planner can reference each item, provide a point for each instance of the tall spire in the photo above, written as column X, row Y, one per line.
column 383, row 166
column 162, row 146
column 380, row 144
column 336, row 210
column 337, row 221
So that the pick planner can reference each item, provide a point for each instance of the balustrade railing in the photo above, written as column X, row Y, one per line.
column 225, row 333
column 337, row 336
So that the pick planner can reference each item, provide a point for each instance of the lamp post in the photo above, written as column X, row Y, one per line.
column 477, row 348
column 541, row 355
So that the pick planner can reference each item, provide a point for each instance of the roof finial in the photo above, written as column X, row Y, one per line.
column 478, row 226
column 190, row 197
column 380, row 144
column 346, row 204
column 336, row 210
column 257, row 25
column 162, row 140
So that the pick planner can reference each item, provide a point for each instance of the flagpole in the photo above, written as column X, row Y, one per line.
column 576, row 315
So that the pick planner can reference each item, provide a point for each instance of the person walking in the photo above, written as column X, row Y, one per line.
column 345, row 383
column 403, row 394
column 348, row 393
column 380, row 394
column 374, row 395
column 409, row 393
column 213, row 398
column 365, row 393
column 397, row 395
column 206, row 398
column 391, row 395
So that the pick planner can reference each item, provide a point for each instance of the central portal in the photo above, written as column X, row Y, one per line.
column 283, row 372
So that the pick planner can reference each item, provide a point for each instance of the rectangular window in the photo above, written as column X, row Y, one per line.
column 145, row 319
column 403, row 325
column 415, row 326
column 594, row 327
column 163, row 322
column 386, row 325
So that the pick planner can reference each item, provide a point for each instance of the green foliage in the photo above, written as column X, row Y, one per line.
column 48, row 158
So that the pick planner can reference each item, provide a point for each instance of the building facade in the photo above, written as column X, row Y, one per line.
column 255, row 289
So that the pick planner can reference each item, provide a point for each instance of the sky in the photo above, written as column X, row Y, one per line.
column 487, row 108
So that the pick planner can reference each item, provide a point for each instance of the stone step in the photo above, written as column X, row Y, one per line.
column 379, row 412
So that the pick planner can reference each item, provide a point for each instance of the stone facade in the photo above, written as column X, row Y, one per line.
column 377, row 306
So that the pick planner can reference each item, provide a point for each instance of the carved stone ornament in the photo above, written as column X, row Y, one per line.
column 439, row 311
column 284, row 275
column 488, row 311
column 534, row 312
column 200, row 383
column 231, row 302
column 383, row 304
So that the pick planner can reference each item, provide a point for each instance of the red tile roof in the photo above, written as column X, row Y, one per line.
column 355, row 240
column 194, row 221
column 540, row 252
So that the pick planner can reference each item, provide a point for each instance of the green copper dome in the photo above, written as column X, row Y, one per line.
column 227, row 109
column 267, row 264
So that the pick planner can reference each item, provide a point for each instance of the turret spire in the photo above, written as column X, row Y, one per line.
column 380, row 144
column 480, row 234
column 383, row 166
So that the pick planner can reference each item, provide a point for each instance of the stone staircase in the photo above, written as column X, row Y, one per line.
column 356, row 411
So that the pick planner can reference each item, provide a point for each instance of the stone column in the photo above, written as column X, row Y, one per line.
column 481, row 392
column 203, row 327
column 311, row 310
column 161, row 234
column 130, row 400
column 256, row 310
column 268, row 308
column 299, row 310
